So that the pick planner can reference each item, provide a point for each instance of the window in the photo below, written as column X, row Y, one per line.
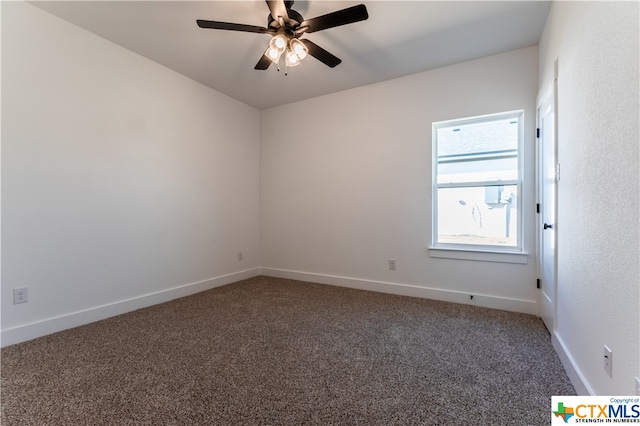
column 476, row 181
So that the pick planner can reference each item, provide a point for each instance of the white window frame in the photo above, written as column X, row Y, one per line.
column 494, row 253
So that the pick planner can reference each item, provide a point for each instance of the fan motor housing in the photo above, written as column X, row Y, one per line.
column 293, row 16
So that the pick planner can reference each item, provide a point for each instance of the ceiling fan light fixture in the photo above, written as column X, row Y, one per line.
column 278, row 42
column 298, row 48
column 285, row 25
column 273, row 54
column 291, row 59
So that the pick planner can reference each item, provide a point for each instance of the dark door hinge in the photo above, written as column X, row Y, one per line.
column 538, row 208
column 538, row 133
column 537, row 282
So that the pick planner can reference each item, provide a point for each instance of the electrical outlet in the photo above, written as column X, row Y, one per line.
column 608, row 361
column 638, row 386
column 20, row 295
column 392, row 264
column 240, row 256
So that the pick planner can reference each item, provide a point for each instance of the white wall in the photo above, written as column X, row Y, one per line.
column 596, row 44
column 347, row 186
column 123, row 182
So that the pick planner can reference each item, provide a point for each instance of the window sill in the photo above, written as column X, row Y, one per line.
column 479, row 255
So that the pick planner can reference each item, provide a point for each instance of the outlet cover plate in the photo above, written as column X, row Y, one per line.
column 20, row 295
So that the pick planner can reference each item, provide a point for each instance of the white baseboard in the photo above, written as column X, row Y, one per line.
column 494, row 302
column 578, row 380
column 47, row 326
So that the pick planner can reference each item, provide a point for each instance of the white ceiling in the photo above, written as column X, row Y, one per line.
column 399, row 38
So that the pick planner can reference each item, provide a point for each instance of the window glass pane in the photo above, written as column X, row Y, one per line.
column 478, row 151
column 485, row 215
column 479, row 171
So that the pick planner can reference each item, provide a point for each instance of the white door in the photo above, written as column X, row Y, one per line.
column 547, row 186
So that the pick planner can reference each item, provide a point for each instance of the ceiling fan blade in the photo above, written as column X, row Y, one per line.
column 263, row 63
column 320, row 54
column 335, row 19
column 233, row 27
column 277, row 9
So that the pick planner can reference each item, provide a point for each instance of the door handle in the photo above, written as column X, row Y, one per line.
column 547, row 226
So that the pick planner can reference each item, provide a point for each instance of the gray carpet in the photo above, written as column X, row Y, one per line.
column 269, row 351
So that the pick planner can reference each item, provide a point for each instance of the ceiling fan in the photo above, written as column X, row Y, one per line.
column 285, row 26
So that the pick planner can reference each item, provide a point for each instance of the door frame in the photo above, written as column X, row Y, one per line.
column 551, row 91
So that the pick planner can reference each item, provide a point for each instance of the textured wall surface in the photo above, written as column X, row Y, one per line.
column 596, row 44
